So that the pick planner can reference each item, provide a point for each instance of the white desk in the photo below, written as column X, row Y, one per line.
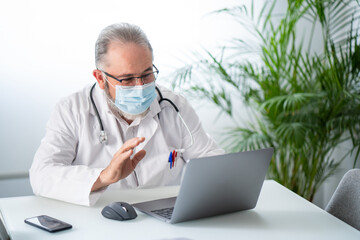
column 280, row 214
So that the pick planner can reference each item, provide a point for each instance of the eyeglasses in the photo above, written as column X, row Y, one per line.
column 132, row 81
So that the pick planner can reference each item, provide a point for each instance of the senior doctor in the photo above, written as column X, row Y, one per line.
column 119, row 132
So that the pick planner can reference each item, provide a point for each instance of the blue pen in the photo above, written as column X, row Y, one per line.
column 170, row 159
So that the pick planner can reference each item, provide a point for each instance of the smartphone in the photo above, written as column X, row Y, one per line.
column 47, row 223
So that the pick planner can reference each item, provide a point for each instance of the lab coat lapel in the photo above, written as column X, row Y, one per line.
column 149, row 124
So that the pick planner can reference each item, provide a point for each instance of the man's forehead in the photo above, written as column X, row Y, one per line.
column 131, row 58
column 119, row 45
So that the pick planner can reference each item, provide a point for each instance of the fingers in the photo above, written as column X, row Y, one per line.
column 122, row 163
column 117, row 169
column 138, row 157
column 127, row 154
column 131, row 143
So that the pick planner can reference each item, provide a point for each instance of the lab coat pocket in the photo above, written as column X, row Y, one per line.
column 175, row 165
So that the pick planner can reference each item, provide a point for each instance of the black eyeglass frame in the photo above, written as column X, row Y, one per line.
column 126, row 79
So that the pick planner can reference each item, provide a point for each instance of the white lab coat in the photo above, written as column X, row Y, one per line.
column 71, row 157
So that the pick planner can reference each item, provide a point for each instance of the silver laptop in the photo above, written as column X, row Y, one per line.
column 214, row 185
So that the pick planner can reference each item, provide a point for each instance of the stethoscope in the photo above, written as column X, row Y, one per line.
column 175, row 154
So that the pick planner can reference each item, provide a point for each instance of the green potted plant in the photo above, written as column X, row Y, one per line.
column 305, row 103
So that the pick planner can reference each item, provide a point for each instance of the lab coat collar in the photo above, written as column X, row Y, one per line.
column 155, row 106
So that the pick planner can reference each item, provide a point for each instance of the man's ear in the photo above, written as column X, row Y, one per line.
column 99, row 78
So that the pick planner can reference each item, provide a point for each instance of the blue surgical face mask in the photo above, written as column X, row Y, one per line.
column 134, row 100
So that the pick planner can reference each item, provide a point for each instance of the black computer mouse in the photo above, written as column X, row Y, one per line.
column 119, row 211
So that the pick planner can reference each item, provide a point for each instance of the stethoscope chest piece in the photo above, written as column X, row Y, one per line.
column 103, row 137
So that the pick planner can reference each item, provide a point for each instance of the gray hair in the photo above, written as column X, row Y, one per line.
column 121, row 32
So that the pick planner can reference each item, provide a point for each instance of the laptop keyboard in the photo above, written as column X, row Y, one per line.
column 165, row 212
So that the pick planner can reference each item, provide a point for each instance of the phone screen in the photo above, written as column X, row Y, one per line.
column 47, row 223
